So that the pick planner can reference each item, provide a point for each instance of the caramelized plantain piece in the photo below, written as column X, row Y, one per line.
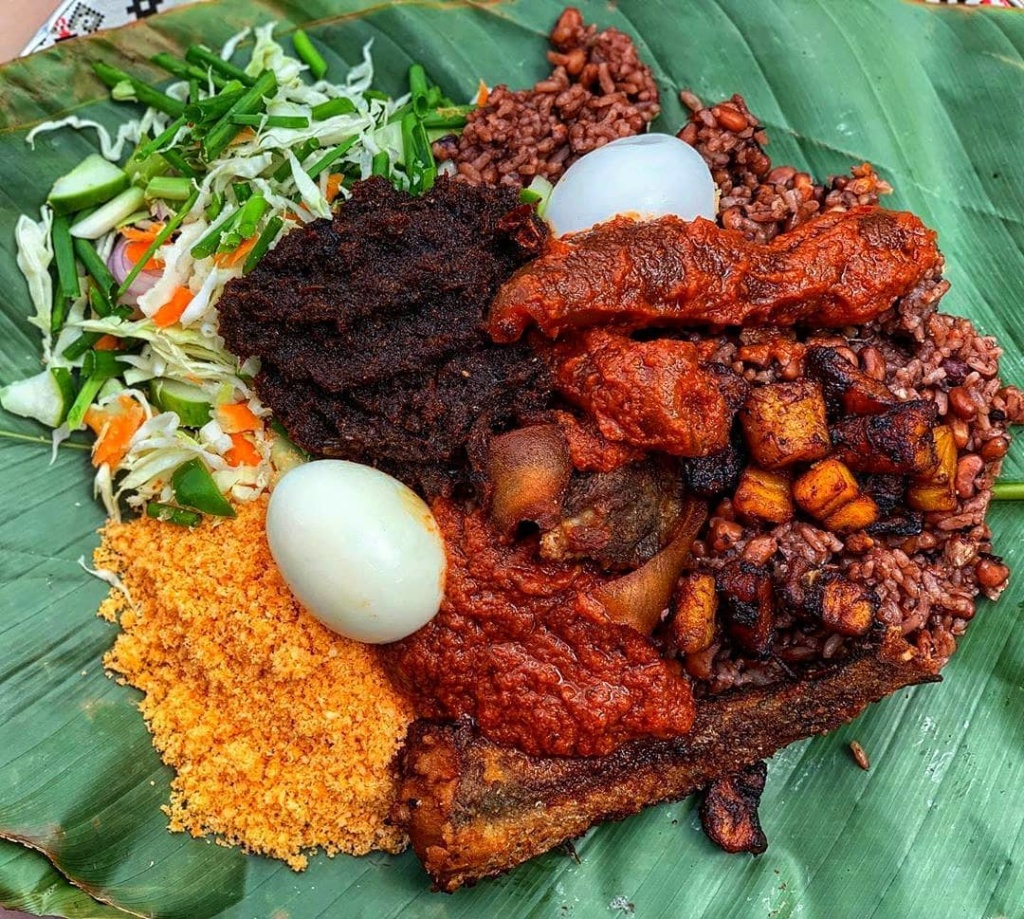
column 857, row 514
column 729, row 811
column 847, row 388
column 749, row 605
column 692, row 628
column 841, row 605
column 785, row 423
column 719, row 473
column 936, row 490
column 764, row 495
column 898, row 441
column 825, row 488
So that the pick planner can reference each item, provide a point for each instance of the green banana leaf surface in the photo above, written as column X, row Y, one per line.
column 933, row 97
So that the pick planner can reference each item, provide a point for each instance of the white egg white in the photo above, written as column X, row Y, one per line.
column 647, row 176
column 360, row 550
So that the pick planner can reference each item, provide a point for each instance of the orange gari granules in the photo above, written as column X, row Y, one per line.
column 282, row 733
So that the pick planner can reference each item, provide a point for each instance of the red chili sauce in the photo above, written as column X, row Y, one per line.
column 521, row 647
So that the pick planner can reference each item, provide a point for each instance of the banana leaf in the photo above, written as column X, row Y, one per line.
column 932, row 96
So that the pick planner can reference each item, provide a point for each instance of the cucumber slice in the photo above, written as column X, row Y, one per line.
column 93, row 181
column 46, row 397
column 188, row 402
column 111, row 215
column 194, row 487
column 537, row 192
column 284, row 453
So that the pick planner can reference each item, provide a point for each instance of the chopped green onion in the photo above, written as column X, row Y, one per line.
column 223, row 132
column 169, row 188
column 263, row 244
column 58, row 310
column 168, row 513
column 381, row 164
column 81, row 345
column 158, row 241
column 1008, row 491
column 250, row 215
column 144, row 93
column 89, row 391
column 193, row 91
column 301, row 154
column 209, row 243
column 434, row 97
column 64, row 255
column 419, row 159
column 96, row 267
column 453, row 117
column 309, row 55
column 194, row 486
column 331, row 108
column 271, row 121
column 103, row 363
column 176, row 161
column 376, row 94
column 100, row 301
column 419, row 90
column 202, row 56
column 327, row 160
column 215, row 206
column 207, row 110
column 165, row 137
column 242, row 190
column 185, row 71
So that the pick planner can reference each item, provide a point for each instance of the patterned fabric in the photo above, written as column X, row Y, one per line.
column 80, row 17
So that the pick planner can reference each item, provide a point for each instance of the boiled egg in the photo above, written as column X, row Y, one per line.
column 360, row 550
column 647, row 176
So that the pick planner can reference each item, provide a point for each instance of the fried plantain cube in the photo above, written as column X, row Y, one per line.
column 763, row 495
column 846, row 608
column 692, row 628
column 785, row 423
column 898, row 441
column 857, row 514
column 825, row 488
column 936, row 489
column 729, row 811
column 748, row 598
column 847, row 388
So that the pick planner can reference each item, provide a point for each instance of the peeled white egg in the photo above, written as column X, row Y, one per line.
column 360, row 550
column 647, row 176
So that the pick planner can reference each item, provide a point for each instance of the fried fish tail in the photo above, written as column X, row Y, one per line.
column 474, row 810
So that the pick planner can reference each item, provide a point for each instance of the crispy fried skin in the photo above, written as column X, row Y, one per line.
column 841, row 268
column 650, row 394
column 729, row 810
column 475, row 810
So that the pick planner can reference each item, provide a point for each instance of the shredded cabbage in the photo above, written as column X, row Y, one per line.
column 191, row 351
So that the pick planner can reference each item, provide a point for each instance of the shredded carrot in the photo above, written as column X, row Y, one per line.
column 142, row 236
column 334, row 183
column 136, row 249
column 108, row 343
column 246, row 134
column 243, row 452
column 482, row 94
column 236, row 418
column 114, row 426
column 230, row 259
column 172, row 310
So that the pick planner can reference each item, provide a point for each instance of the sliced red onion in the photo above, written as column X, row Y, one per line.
column 120, row 266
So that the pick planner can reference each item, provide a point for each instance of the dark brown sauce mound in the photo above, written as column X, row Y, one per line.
column 369, row 328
